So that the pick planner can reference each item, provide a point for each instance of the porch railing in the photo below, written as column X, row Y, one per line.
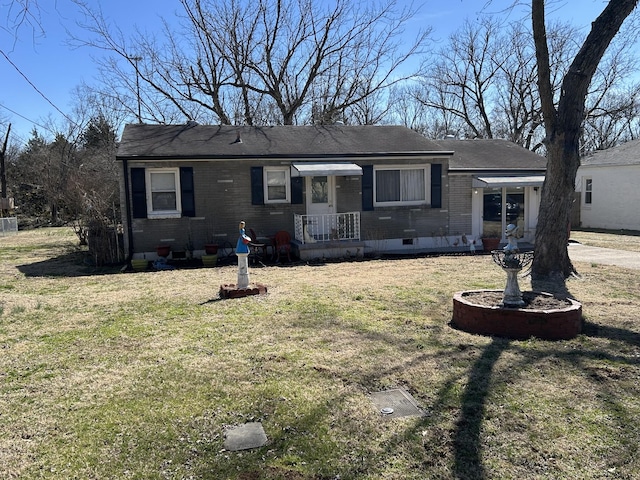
column 327, row 228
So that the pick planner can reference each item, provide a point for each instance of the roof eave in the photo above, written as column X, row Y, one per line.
column 285, row 156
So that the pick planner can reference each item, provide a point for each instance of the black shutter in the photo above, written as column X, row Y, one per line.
column 138, row 193
column 257, row 186
column 297, row 186
column 436, row 185
column 187, row 192
column 367, row 187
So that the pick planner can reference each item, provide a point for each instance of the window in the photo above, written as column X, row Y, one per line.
column 401, row 186
column 163, row 192
column 588, row 190
column 277, row 185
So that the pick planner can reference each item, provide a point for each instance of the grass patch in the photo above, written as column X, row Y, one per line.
column 139, row 375
column 617, row 239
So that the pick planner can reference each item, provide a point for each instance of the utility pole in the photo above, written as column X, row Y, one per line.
column 136, row 59
column 3, row 172
column 5, row 203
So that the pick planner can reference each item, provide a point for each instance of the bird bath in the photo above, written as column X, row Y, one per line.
column 512, row 313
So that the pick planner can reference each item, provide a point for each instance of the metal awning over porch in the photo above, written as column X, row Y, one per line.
column 313, row 169
column 511, row 181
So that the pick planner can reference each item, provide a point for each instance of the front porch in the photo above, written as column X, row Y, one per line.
column 328, row 236
column 339, row 236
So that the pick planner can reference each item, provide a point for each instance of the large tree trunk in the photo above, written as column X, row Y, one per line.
column 551, row 264
column 551, row 261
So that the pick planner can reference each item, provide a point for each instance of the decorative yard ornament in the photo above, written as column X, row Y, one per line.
column 538, row 314
column 512, row 261
column 242, row 288
column 242, row 251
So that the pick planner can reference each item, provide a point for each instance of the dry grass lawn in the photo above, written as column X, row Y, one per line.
column 107, row 375
column 622, row 240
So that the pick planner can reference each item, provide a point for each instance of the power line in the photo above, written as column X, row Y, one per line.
column 36, row 88
column 25, row 118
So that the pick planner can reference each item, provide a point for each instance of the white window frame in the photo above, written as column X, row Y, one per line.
column 588, row 191
column 426, row 168
column 151, row 213
column 287, row 184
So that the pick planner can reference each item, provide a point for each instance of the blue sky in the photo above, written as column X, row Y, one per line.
column 54, row 69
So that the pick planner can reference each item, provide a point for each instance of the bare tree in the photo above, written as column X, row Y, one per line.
column 408, row 109
column 236, row 61
column 615, row 120
column 517, row 113
column 462, row 80
column 21, row 14
column 486, row 74
column 563, row 126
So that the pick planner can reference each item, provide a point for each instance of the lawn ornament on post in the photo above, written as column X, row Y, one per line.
column 242, row 288
column 242, row 252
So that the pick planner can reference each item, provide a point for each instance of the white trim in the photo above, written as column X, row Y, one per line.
column 587, row 181
column 151, row 213
column 320, row 169
column 287, row 184
column 510, row 181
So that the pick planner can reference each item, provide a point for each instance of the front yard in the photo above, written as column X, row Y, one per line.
column 138, row 375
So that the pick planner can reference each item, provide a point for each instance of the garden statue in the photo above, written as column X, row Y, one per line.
column 512, row 261
column 512, row 241
column 242, row 252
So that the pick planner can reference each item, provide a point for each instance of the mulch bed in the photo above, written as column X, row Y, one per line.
column 532, row 300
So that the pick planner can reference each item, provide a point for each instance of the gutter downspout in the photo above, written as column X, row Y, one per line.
column 127, row 203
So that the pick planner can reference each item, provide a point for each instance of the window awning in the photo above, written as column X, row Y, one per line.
column 313, row 169
column 512, row 181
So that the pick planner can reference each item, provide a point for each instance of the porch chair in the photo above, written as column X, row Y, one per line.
column 257, row 250
column 283, row 244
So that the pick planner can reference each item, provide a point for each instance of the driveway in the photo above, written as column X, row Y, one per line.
column 604, row 256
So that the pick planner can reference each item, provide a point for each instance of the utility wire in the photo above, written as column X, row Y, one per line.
column 35, row 88
column 25, row 118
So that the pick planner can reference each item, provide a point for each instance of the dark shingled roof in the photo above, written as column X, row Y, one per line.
column 491, row 154
column 626, row 154
column 221, row 141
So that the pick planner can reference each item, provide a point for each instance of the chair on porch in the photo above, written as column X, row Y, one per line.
column 257, row 250
column 283, row 244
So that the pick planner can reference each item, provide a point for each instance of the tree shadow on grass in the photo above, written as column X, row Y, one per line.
column 70, row 264
column 466, row 440
column 468, row 462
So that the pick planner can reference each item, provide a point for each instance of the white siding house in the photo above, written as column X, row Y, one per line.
column 607, row 182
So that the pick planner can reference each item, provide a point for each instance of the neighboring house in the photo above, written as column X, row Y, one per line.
column 607, row 183
column 339, row 190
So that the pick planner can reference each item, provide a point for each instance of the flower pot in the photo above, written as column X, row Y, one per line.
column 211, row 248
column 163, row 250
column 210, row 260
column 490, row 243
column 139, row 264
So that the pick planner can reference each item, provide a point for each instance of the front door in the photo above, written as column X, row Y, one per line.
column 502, row 206
column 321, row 194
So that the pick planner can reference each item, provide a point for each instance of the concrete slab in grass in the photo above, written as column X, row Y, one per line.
column 245, row 437
column 396, row 403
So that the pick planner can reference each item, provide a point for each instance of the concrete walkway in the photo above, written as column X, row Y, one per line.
column 604, row 256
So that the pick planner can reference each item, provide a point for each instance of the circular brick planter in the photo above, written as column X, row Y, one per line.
column 518, row 323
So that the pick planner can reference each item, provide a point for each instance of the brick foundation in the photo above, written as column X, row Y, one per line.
column 517, row 323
